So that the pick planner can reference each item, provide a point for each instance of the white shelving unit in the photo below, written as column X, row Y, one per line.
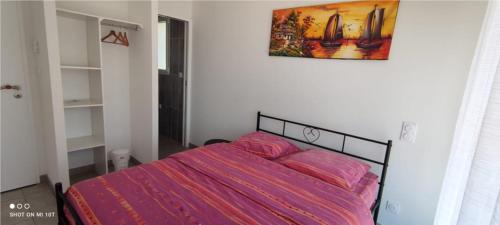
column 106, row 20
column 80, row 46
column 80, row 51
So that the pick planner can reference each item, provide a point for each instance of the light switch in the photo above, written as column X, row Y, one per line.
column 408, row 131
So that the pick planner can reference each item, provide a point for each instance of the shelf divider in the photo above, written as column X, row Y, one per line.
column 81, row 104
column 80, row 67
column 85, row 142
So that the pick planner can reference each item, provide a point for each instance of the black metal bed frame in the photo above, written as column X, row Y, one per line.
column 62, row 201
column 308, row 129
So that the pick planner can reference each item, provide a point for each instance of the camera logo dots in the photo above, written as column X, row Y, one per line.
column 22, row 210
column 19, row 206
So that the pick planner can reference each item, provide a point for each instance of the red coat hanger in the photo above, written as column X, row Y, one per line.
column 119, row 39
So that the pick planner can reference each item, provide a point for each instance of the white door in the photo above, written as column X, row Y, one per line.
column 18, row 156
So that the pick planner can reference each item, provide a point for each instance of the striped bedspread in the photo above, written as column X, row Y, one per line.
column 216, row 184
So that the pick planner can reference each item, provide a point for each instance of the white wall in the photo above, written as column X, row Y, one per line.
column 177, row 9
column 45, row 32
column 423, row 81
column 144, row 82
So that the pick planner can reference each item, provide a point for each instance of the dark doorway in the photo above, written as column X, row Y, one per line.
column 171, row 81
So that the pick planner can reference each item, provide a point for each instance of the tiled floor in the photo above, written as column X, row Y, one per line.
column 167, row 146
column 73, row 179
column 40, row 198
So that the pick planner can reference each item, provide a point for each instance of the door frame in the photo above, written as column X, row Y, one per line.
column 186, row 88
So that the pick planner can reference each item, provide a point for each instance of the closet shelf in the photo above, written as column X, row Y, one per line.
column 86, row 142
column 104, row 20
column 81, row 104
column 120, row 23
column 80, row 67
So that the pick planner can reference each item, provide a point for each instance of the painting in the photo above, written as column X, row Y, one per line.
column 345, row 30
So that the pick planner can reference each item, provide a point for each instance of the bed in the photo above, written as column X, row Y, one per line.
column 220, row 184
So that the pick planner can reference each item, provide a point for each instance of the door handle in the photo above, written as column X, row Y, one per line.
column 10, row 87
column 16, row 88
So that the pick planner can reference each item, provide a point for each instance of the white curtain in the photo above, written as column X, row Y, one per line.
column 483, row 186
column 471, row 187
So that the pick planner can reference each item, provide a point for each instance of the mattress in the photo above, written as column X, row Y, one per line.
column 216, row 184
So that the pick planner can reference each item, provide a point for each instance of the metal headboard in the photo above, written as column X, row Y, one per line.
column 312, row 133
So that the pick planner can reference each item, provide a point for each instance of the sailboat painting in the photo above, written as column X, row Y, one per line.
column 345, row 30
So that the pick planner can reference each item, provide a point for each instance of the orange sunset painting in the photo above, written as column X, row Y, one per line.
column 344, row 30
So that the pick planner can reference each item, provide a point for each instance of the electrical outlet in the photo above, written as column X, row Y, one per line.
column 409, row 131
column 35, row 47
column 393, row 207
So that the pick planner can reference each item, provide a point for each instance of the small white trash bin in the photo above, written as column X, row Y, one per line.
column 120, row 158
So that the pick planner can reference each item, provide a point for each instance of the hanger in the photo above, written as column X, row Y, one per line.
column 123, row 38
column 119, row 39
column 111, row 34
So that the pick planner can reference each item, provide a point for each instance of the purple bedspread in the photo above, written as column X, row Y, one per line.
column 216, row 184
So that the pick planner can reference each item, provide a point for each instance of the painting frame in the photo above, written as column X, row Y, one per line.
column 351, row 30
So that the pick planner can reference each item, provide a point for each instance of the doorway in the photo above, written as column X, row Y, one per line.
column 172, row 60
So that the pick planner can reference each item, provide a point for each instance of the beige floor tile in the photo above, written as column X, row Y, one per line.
column 80, row 177
column 167, row 146
column 10, row 195
column 6, row 217
column 38, row 190
column 6, row 202
column 42, row 204
column 24, row 222
column 41, row 199
column 7, row 220
column 46, row 221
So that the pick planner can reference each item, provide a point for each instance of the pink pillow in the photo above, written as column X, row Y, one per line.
column 265, row 145
column 334, row 168
column 366, row 188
